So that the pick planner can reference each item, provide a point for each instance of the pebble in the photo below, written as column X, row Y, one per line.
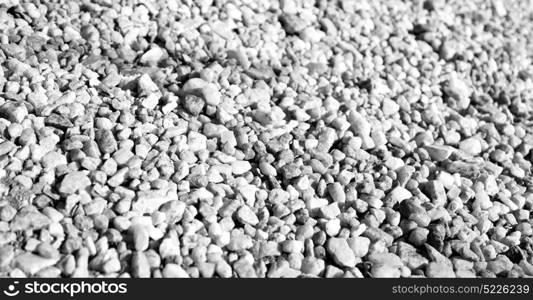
column 46, row 250
column 501, row 264
column 436, row 192
column 439, row 152
column 140, row 267
column 152, row 56
column 194, row 105
column 336, row 192
column 211, row 94
column 29, row 218
column 13, row 112
column 362, row 128
column 385, row 265
column 399, row 194
column 457, row 89
column 246, row 216
column 53, row 159
column 150, row 201
column 74, row 182
column 6, row 147
column 31, row 263
column 240, row 167
column 106, row 141
column 313, row 266
column 7, row 253
column 340, row 252
column 174, row 271
column 141, row 237
column 389, row 107
column 471, row 146
column 359, row 245
column 439, row 270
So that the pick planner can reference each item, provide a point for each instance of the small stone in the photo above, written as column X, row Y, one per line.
column 106, row 141
column 439, row 152
column 193, row 86
column 141, row 237
column 341, row 252
column 240, row 167
column 239, row 241
column 7, row 253
column 122, row 156
column 330, row 211
column 418, row 236
column 362, row 128
column 248, row 193
column 385, row 271
column 394, row 163
column 240, row 56
column 399, row 194
column 333, row 227
column 292, row 23
column 46, row 250
column 13, row 112
column 140, row 267
column 499, row 8
column 29, row 218
column 223, row 269
column 313, row 266
column 169, row 247
column 389, row 107
column 458, row 90
column 211, row 94
column 58, row 121
column 269, row 249
column 207, row 270
column 151, row 101
column 293, row 246
column 146, row 86
column 6, row 147
column 244, row 269
column 246, row 216
column 53, row 159
column 194, row 104
column 439, row 270
column 150, row 201
column 436, row 192
column 174, row 271
column 359, row 245
column 73, row 182
column 90, row 33
column 447, row 179
column 71, row 34
column 502, row 264
column 267, row 169
column 7, row 213
column 152, row 56
column 385, row 265
column 111, row 266
column 336, row 191
column 31, row 263
column 471, row 146
column 196, row 141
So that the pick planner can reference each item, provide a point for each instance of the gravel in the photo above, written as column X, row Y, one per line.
column 271, row 139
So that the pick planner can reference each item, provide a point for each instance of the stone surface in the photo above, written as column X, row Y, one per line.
column 340, row 252
column 74, row 182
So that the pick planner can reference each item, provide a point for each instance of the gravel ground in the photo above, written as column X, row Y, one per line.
column 247, row 138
